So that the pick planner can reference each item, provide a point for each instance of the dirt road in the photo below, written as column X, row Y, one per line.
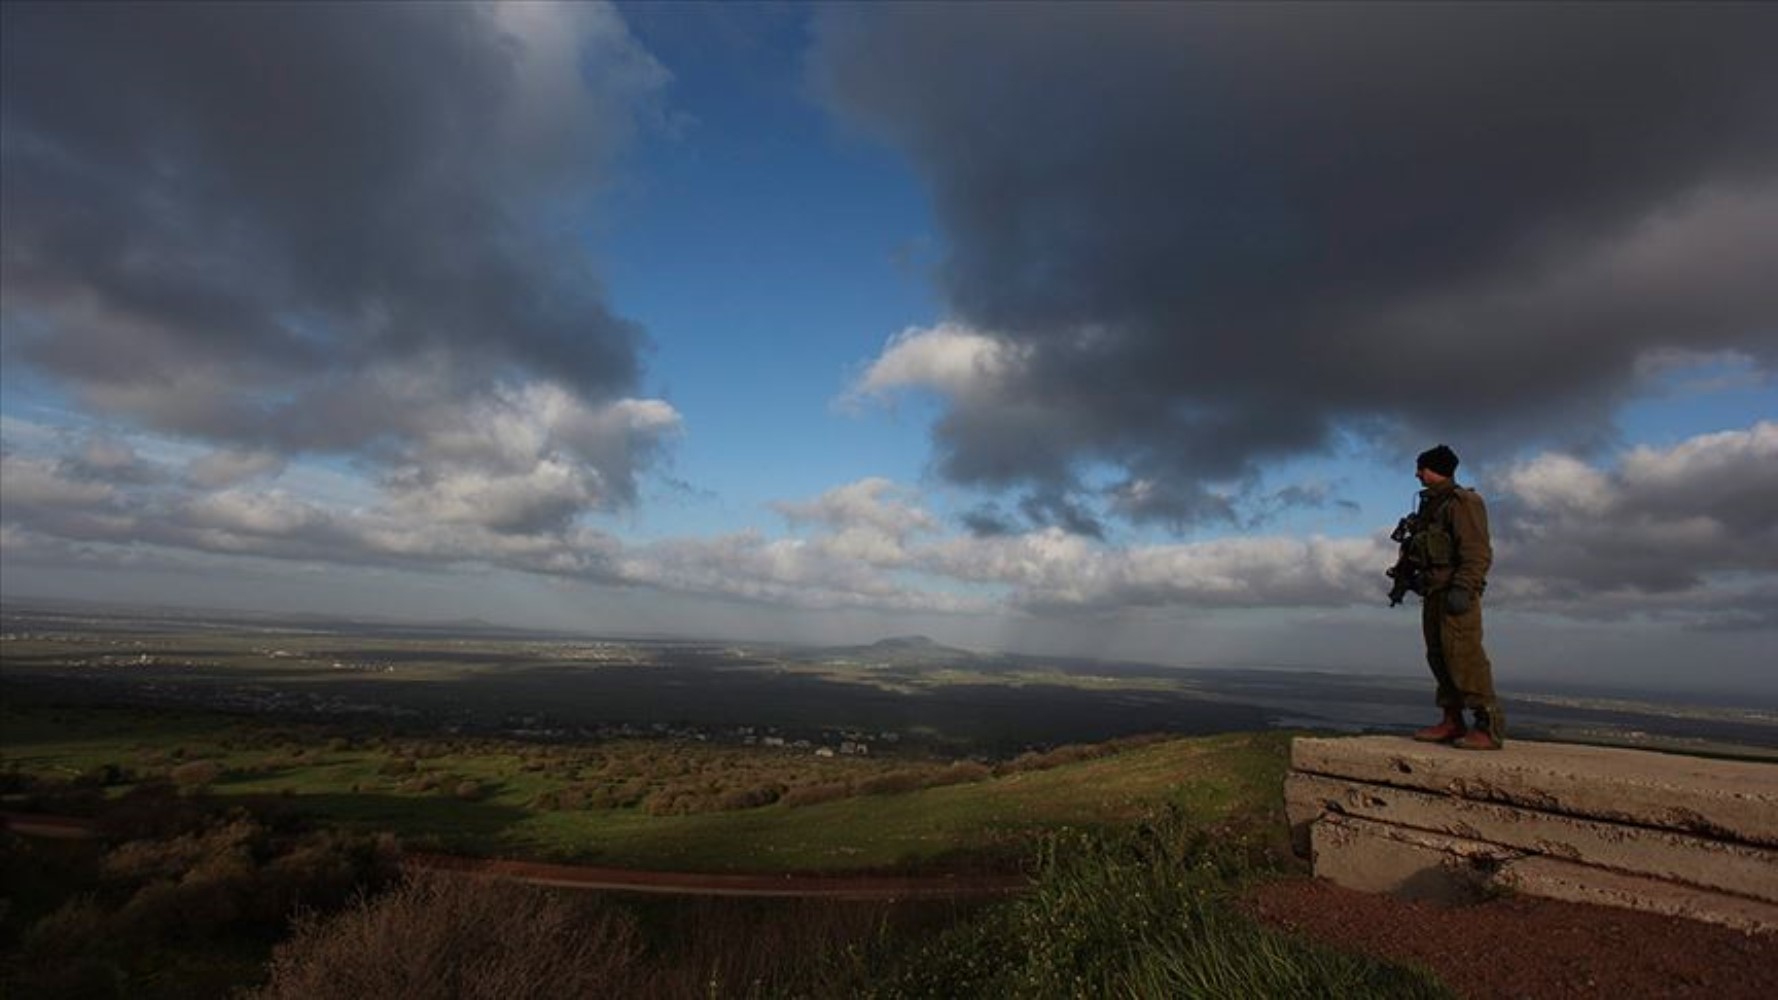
column 628, row 880
column 698, row 884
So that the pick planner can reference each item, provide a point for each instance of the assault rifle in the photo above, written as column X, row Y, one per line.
column 1408, row 574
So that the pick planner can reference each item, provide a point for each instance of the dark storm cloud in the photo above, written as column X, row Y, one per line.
column 1221, row 233
column 285, row 225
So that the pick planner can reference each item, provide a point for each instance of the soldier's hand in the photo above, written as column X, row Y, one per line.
column 1456, row 600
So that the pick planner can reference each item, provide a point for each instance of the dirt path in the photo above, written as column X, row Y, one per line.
column 697, row 884
column 854, row 887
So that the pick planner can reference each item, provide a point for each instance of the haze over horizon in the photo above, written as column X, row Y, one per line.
column 1088, row 329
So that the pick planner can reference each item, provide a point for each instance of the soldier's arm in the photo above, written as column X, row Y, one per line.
column 1475, row 553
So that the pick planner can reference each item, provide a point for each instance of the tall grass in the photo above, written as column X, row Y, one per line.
column 1148, row 911
column 1145, row 912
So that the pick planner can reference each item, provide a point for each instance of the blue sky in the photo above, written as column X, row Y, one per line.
column 1090, row 329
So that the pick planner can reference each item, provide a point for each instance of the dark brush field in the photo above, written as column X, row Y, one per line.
column 241, row 770
column 893, row 696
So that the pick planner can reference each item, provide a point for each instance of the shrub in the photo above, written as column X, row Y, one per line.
column 58, row 957
column 443, row 935
column 962, row 772
column 893, row 783
column 749, row 798
column 196, row 774
column 153, row 809
column 808, row 795
column 170, row 858
column 105, row 775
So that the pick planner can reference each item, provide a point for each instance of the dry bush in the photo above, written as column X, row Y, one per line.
column 420, row 783
column 895, row 782
column 196, row 774
column 614, row 796
column 323, row 871
column 171, row 858
column 454, row 936
column 750, row 798
column 808, row 795
column 962, row 772
column 57, row 958
column 153, row 809
column 1076, row 752
column 676, row 802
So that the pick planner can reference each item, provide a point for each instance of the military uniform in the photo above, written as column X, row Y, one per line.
column 1454, row 550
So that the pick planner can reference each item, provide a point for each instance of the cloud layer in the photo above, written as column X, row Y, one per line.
column 1681, row 534
column 1189, row 239
column 336, row 229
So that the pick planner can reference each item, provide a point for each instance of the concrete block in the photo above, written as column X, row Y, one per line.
column 1723, row 866
column 1731, row 800
column 1412, row 864
column 1553, row 878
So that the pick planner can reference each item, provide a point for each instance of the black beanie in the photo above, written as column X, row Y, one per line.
column 1440, row 459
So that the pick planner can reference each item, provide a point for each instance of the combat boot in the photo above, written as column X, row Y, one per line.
column 1444, row 732
column 1483, row 736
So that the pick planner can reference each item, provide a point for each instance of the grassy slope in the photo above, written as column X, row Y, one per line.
column 1211, row 777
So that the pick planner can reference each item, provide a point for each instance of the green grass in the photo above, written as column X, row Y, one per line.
column 1143, row 911
column 1139, row 856
column 348, row 782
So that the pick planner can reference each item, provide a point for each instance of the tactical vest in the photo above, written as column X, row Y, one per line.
column 1433, row 546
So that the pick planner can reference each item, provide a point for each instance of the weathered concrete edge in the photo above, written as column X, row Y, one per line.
column 1411, row 864
column 1565, row 880
column 1736, row 869
column 1380, row 857
column 1721, row 800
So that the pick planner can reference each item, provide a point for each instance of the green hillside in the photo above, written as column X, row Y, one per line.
column 1137, row 850
column 649, row 804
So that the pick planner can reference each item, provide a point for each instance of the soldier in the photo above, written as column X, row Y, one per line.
column 1452, row 551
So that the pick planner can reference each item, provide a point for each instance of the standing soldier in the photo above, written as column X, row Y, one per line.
column 1449, row 548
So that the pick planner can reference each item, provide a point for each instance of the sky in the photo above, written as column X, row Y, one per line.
column 1094, row 330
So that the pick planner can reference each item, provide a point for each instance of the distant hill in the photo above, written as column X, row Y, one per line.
column 902, row 651
column 911, row 643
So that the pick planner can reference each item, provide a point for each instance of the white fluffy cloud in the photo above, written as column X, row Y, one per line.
column 1685, row 532
column 1692, row 527
column 528, row 458
column 949, row 358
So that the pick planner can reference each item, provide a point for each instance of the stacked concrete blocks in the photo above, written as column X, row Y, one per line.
column 1659, row 832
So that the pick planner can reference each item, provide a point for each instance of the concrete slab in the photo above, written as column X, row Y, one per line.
column 1556, row 879
column 1412, row 864
column 1738, row 869
column 1732, row 800
column 1415, row 864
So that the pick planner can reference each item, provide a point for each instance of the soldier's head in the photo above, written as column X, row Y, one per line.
column 1435, row 465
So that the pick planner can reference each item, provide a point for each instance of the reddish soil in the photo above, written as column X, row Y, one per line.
column 1534, row 949
column 693, row 884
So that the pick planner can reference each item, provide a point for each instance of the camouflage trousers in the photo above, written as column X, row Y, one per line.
column 1459, row 664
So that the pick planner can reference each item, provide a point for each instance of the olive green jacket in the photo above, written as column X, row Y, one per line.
column 1462, row 513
